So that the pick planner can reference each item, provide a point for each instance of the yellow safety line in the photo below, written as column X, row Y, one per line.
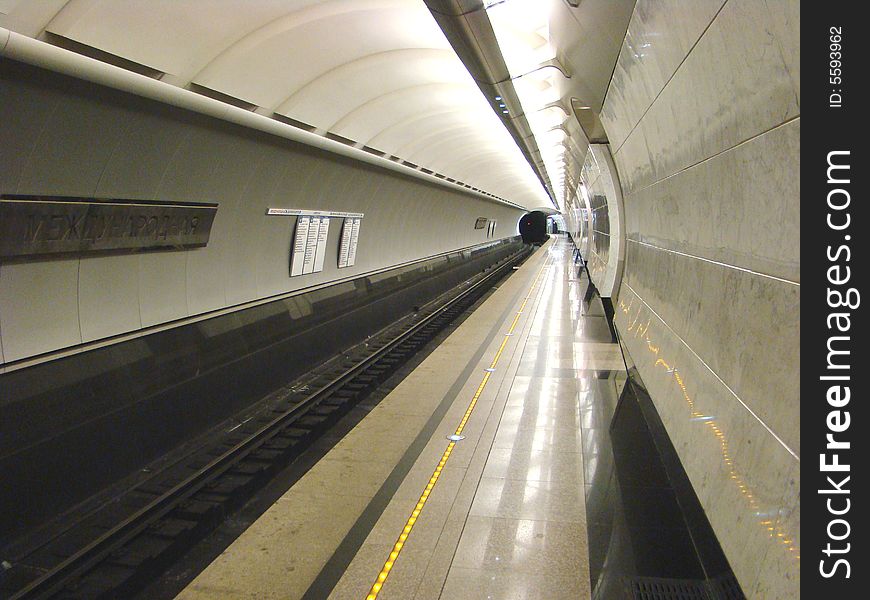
column 409, row 524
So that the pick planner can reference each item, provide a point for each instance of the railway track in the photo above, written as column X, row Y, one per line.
column 116, row 551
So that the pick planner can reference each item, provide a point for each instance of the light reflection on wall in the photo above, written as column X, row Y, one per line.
column 767, row 521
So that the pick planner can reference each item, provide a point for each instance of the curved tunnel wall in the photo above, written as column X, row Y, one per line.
column 62, row 136
column 606, row 251
column 704, row 126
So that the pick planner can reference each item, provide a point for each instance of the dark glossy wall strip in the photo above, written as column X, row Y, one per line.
column 648, row 535
column 75, row 425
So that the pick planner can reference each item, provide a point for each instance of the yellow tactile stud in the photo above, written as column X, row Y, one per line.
column 415, row 514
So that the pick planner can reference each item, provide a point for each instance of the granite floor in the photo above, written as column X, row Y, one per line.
column 398, row 510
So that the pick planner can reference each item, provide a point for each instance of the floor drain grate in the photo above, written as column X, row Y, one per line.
column 650, row 588
column 654, row 588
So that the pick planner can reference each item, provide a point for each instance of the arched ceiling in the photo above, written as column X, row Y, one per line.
column 377, row 72
column 582, row 41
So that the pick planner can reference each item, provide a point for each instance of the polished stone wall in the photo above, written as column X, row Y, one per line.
column 703, row 118
column 61, row 136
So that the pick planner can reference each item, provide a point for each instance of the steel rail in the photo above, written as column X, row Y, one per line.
column 91, row 555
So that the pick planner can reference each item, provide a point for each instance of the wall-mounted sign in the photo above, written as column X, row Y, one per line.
column 344, row 244
column 296, row 212
column 300, row 242
column 309, row 240
column 45, row 225
column 349, row 240
column 322, row 233
column 309, row 245
column 480, row 223
column 490, row 230
column 308, row 251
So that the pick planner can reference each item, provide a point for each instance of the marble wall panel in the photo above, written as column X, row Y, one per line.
column 703, row 210
column 144, row 150
column 652, row 51
column 20, row 128
column 745, row 478
column 706, row 131
column 634, row 161
column 38, row 307
column 162, row 287
column 777, row 576
column 722, row 313
column 65, row 160
column 108, row 296
column 732, row 86
column 785, row 18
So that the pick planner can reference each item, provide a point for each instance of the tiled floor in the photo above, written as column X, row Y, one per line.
column 506, row 517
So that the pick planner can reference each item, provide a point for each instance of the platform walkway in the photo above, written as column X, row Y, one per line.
column 399, row 511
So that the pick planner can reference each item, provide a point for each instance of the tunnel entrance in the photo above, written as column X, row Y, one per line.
column 533, row 227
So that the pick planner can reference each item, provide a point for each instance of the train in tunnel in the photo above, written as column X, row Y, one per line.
column 533, row 227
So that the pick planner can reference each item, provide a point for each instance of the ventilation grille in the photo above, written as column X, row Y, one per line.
column 668, row 589
column 653, row 588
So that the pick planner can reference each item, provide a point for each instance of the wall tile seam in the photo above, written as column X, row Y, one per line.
column 673, row 74
column 128, row 124
column 715, row 262
column 715, row 155
column 703, row 362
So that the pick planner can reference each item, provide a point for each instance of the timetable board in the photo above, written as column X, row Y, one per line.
column 308, row 249
column 348, row 244
column 309, row 245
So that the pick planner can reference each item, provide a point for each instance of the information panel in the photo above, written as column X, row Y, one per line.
column 344, row 245
column 311, row 246
column 308, row 253
column 300, row 242
column 322, row 234
column 354, row 238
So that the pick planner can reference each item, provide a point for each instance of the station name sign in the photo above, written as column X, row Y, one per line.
column 41, row 225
